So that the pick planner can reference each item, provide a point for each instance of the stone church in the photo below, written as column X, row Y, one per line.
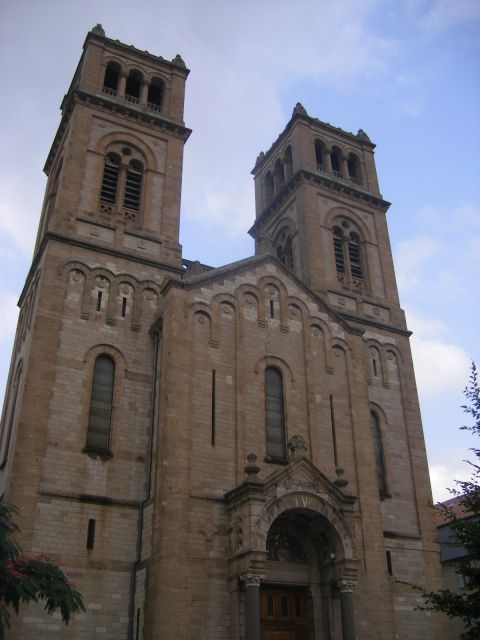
column 230, row 453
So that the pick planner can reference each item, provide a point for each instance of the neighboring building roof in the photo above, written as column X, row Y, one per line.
column 454, row 505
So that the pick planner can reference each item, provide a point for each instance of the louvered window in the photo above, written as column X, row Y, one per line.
column 108, row 193
column 133, row 186
column 338, row 249
column 274, row 414
column 100, row 414
column 122, row 183
column 354, row 256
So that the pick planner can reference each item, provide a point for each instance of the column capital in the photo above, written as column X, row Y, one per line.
column 346, row 586
column 252, row 579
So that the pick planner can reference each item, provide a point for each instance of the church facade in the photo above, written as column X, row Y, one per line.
column 231, row 453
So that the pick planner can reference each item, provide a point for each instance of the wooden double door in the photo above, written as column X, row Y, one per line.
column 283, row 615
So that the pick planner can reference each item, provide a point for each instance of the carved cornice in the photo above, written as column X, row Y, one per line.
column 326, row 180
column 116, row 106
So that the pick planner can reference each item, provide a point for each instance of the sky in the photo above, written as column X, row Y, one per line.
column 405, row 71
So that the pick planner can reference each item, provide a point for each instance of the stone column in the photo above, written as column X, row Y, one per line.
column 122, row 83
column 144, row 93
column 252, row 605
column 327, row 161
column 346, row 606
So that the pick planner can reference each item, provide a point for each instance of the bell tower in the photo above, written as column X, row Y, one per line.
column 77, row 426
column 115, row 166
column 320, row 211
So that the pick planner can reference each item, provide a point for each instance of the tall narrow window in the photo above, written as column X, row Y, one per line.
column 133, row 186
column 319, row 153
column 288, row 163
column 354, row 256
column 335, row 158
column 100, row 414
column 133, row 86
column 379, row 459
column 268, row 188
column 155, row 94
column 111, row 172
column 274, row 414
column 6, row 434
column 285, row 250
column 279, row 175
column 353, row 165
column 110, row 81
column 338, row 250
column 122, row 183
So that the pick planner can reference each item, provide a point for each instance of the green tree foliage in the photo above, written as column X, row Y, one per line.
column 30, row 579
column 466, row 528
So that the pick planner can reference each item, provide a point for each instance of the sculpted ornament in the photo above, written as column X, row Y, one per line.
column 346, row 586
column 251, row 579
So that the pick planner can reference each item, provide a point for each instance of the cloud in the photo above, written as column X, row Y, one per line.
column 441, row 15
column 467, row 217
column 444, row 475
column 440, row 364
column 412, row 257
column 9, row 316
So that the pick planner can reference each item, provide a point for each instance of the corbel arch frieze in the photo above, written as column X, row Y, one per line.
column 272, row 281
column 374, row 350
column 67, row 267
column 317, row 324
column 218, row 302
column 116, row 283
column 78, row 271
column 337, row 345
column 108, row 278
column 391, row 352
column 202, row 313
column 142, row 295
column 248, row 294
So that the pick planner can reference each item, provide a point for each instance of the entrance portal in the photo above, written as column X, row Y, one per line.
column 283, row 615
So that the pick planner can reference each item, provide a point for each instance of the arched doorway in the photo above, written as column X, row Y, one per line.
column 304, row 562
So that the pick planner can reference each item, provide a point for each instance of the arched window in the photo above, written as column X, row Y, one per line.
column 111, row 172
column 379, row 458
column 279, row 176
column 354, row 256
column 319, row 153
column 122, row 183
column 353, row 165
column 112, row 76
column 336, row 160
column 268, row 188
column 348, row 255
column 338, row 250
column 7, row 429
column 133, row 189
column 274, row 414
column 288, row 163
column 155, row 94
column 133, row 86
column 285, row 249
column 101, row 402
